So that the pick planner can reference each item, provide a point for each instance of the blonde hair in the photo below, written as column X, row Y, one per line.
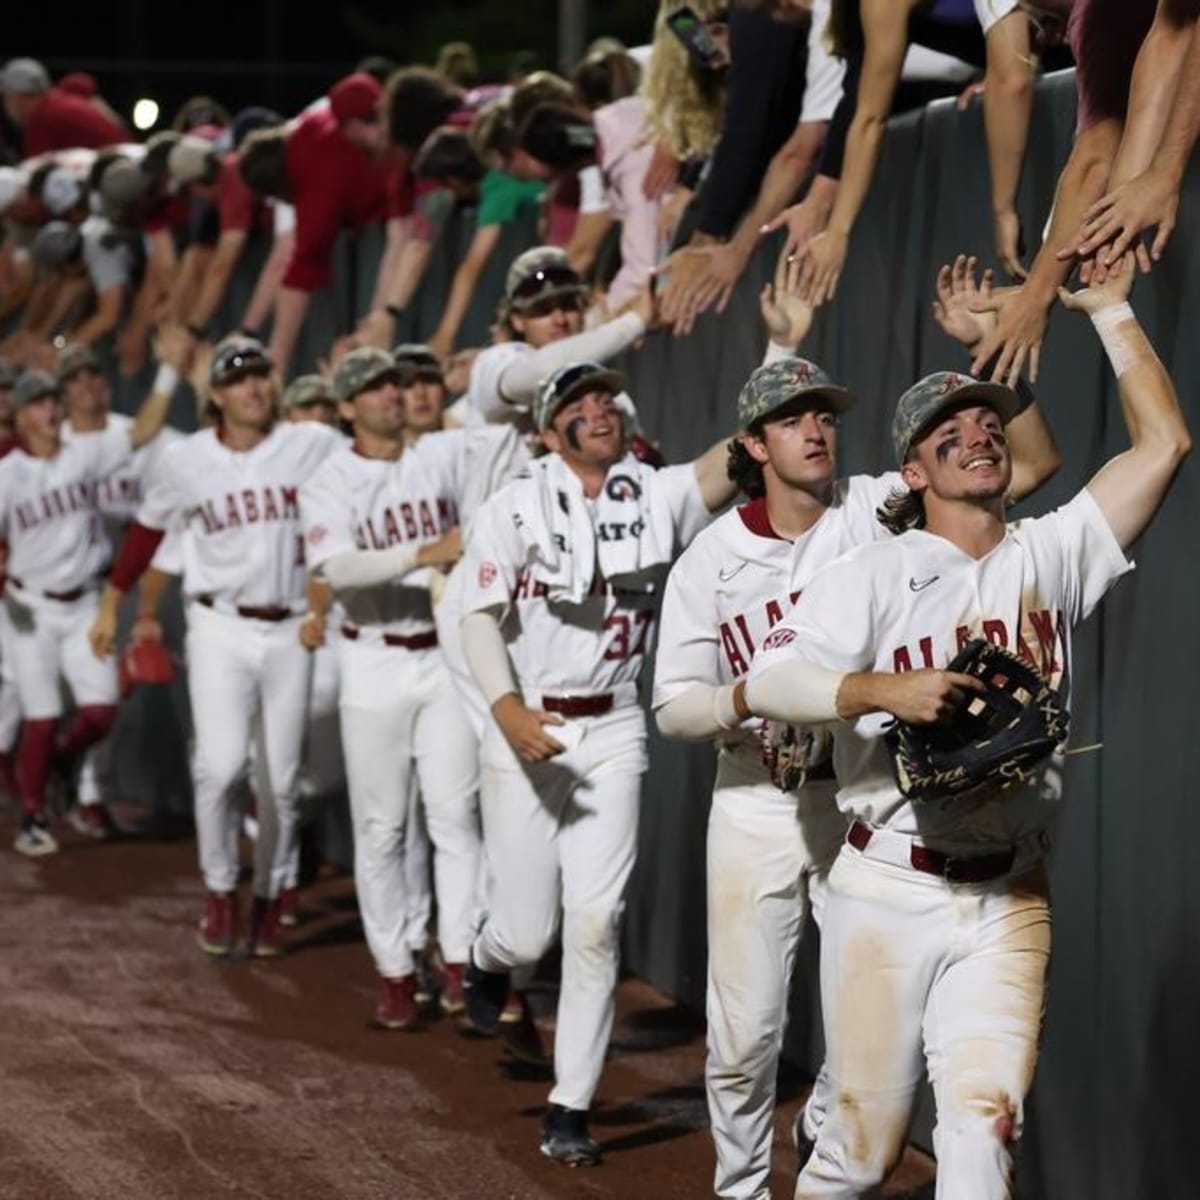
column 683, row 112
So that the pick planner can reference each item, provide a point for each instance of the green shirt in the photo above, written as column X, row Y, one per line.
column 501, row 197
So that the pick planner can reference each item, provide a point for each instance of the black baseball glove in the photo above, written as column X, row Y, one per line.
column 996, row 739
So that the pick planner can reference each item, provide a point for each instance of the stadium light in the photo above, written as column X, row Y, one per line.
column 145, row 114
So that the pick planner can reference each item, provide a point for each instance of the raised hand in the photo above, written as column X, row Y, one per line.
column 957, row 291
column 1114, row 290
column 786, row 314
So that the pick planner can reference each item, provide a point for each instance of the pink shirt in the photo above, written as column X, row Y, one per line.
column 624, row 153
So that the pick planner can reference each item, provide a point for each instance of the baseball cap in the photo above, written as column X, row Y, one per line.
column 56, row 244
column 32, row 386
column 930, row 397
column 61, row 191
column 8, row 374
column 417, row 361
column 79, row 83
column 72, row 359
column 356, row 97
column 538, row 273
column 361, row 369
column 12, row 185
column 250, row 119
column 26, row 76
column 190, row 160
column 234, row 358
column 306, row 390
column 122, row 184
column 568, row 382
column 775, row 384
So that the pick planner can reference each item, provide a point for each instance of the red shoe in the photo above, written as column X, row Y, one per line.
column 397, row 1007
column 289, row 907
column 451, row 999
column 266, row 933
column 218, row 927
column 93, row 821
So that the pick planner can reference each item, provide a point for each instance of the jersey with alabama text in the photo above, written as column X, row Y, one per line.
column 913, row 601
column 356, row 503
column 560, row 648
column 56, row 541
column 243, row 541
column 739, row 579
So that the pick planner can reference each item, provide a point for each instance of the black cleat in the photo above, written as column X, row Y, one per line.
column 485, row 994
column 565, row 1138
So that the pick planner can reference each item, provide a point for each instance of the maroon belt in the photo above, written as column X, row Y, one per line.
column 65, row 597
column 419, row 641
column 249, row 611
column 578, row 706
column 974, row 868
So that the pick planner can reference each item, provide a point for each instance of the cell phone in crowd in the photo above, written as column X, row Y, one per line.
column 697, row 40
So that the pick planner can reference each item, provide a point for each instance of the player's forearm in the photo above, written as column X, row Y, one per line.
column 801, row 694
column 712, row 476
column 1035, row 454
column 137, row 551
column 150, row 593
column 369, row 568
column 699, row 713
column 151, row 416
column 487, row 656
column 319, row 596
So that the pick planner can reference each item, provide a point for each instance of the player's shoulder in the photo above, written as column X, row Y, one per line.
column 724, row 533
column 341, row 463
column 441, row 444
column 490, row 362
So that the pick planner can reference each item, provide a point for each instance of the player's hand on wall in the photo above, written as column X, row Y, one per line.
column 803, row 221
column 445, row 552
column 1113, row 224
column 525, row 729
column 1114, row 290
column 786, row 314
column 822, row 266
column 958, row 291
column 1018, row 336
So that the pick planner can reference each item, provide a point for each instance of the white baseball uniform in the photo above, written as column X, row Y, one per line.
column 768, row 849
column 399, row 710
column 912, row 963
column 561, row 835
column 243, row 580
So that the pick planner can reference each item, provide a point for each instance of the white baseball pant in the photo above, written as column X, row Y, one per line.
column 400, row 716
column 10, row 700
column 240, row 669
column 768, row 853
column 562, row 836
column 417, row 856
column 448, row 614
column 912, row 964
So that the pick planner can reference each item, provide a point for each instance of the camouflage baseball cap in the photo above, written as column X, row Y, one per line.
column 540, row 272
column 417, row 361
column 306, row 390
column 362, row 368
column 32, row 386
column 72, row 359
column 8, row 374
column 568, row 382
column 234, row 357
column 928, row 398
column 775, row 384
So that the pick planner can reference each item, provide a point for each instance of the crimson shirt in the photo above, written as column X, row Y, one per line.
column 335, row 185
column 239, row 206
column 62, row 121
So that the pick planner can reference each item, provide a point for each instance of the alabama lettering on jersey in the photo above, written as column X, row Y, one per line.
column 243, row 539
column 910, row 602
column 356, row 503
column 48, row 507
column 558, row 647
column 739, row 579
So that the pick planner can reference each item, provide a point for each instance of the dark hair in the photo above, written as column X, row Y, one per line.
column 521, row 64
column 558, row 136
column 901, row 511
column 492, row 135
column 542, row 87
column 378, row 66
column 200, row 110
column 158, row 148
column 104, row 159
column 744, row 470
column 262, row 162
column 416, row 102
column 602, row 78
column 457, row 61
column 448, row 154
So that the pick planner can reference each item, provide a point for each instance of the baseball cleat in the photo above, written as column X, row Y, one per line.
column 521, row 1038
column 451, row 999
column 218, row 927
column 33, row 839
column 92, row 820
column 397, row 1007
column 289, row 907
column 565, row 1138
column 484, row 995
column 426, row 976
column 266, row 932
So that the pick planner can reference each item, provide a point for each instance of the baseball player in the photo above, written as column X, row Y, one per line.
column 377, row 517
column 56, row 552
column 235, row 487
column 422, row 390
column 562, row 574
column 774, row 827
column 937, row 920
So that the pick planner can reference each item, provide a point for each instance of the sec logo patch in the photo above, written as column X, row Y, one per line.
column 316, row 534
column 487, row 574
column 780, row 637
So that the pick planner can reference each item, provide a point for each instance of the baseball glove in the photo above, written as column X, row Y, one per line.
column 145, row 662
column 791, row 752
column 995, row 740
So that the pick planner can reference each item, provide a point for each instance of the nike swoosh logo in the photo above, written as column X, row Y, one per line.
column 914, row 586
column 727, row 573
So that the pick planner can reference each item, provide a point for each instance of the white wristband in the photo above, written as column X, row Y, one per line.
column 1121, row 336
column 724, row 710
column 166, row 380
